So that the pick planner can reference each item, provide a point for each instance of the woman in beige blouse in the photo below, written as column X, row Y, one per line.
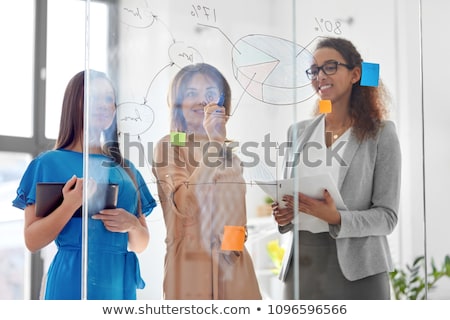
column 202, row 193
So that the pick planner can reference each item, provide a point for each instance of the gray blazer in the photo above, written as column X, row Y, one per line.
column 370, row 187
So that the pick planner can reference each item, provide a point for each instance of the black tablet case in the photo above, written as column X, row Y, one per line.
column 49, row 196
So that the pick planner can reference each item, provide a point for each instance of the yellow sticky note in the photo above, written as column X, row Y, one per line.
column 325, row 106
column 233, row 238
column 178, row 138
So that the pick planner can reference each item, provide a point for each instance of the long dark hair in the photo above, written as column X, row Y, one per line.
column 367, row 104
column 72, row 113
column 178, row 87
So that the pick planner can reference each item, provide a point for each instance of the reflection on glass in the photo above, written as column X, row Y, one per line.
column 118, row 201
column 264, row 59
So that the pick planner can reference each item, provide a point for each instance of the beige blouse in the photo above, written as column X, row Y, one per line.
column 201, row 192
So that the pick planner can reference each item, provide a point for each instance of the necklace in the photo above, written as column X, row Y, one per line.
column 331, row 136
column 338, row 133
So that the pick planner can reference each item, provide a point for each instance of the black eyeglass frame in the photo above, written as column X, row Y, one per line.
column 336, row 64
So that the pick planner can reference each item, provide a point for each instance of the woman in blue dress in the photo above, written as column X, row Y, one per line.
column 114, row 235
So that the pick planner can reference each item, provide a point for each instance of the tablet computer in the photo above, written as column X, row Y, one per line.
column 49, row 196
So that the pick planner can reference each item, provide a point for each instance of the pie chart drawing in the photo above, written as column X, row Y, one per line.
column 272, row 69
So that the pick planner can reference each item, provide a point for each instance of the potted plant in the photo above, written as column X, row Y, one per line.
column 409, row 284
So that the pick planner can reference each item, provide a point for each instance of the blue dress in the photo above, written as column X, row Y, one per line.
column 112, row 271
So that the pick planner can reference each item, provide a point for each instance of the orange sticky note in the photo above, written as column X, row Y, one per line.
column 325, row 106
column 233, row 238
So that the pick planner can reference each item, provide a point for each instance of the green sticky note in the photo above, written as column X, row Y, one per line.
column 178, row 139
column 370, row 74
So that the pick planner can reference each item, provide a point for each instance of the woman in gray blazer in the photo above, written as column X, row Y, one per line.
column 343, row 253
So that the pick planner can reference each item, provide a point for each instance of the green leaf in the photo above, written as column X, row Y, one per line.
column 409, row 283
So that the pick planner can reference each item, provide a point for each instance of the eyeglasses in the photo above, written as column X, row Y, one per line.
column 329, row 68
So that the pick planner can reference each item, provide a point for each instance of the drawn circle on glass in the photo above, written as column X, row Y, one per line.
column 134, row 118
column 182, row 55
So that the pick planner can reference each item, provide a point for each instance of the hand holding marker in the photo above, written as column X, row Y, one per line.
column 221, row 100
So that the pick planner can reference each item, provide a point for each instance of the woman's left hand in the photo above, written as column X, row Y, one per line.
column 117, row 220
column 324, row 209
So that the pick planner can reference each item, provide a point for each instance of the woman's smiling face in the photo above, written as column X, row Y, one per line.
column 102, row 104
column 337, row 86
column 200, row 91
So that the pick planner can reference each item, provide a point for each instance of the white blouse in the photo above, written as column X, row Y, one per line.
column 314, row 161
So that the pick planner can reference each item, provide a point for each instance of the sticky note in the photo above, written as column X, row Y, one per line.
column 178, row 138
column 325, row 106
column 233, row 238
column 370, row 74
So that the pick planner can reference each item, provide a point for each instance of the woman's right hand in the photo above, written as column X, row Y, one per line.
column 73, row 192
column 214, row 122
column 39, row 232
column 283, row 216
